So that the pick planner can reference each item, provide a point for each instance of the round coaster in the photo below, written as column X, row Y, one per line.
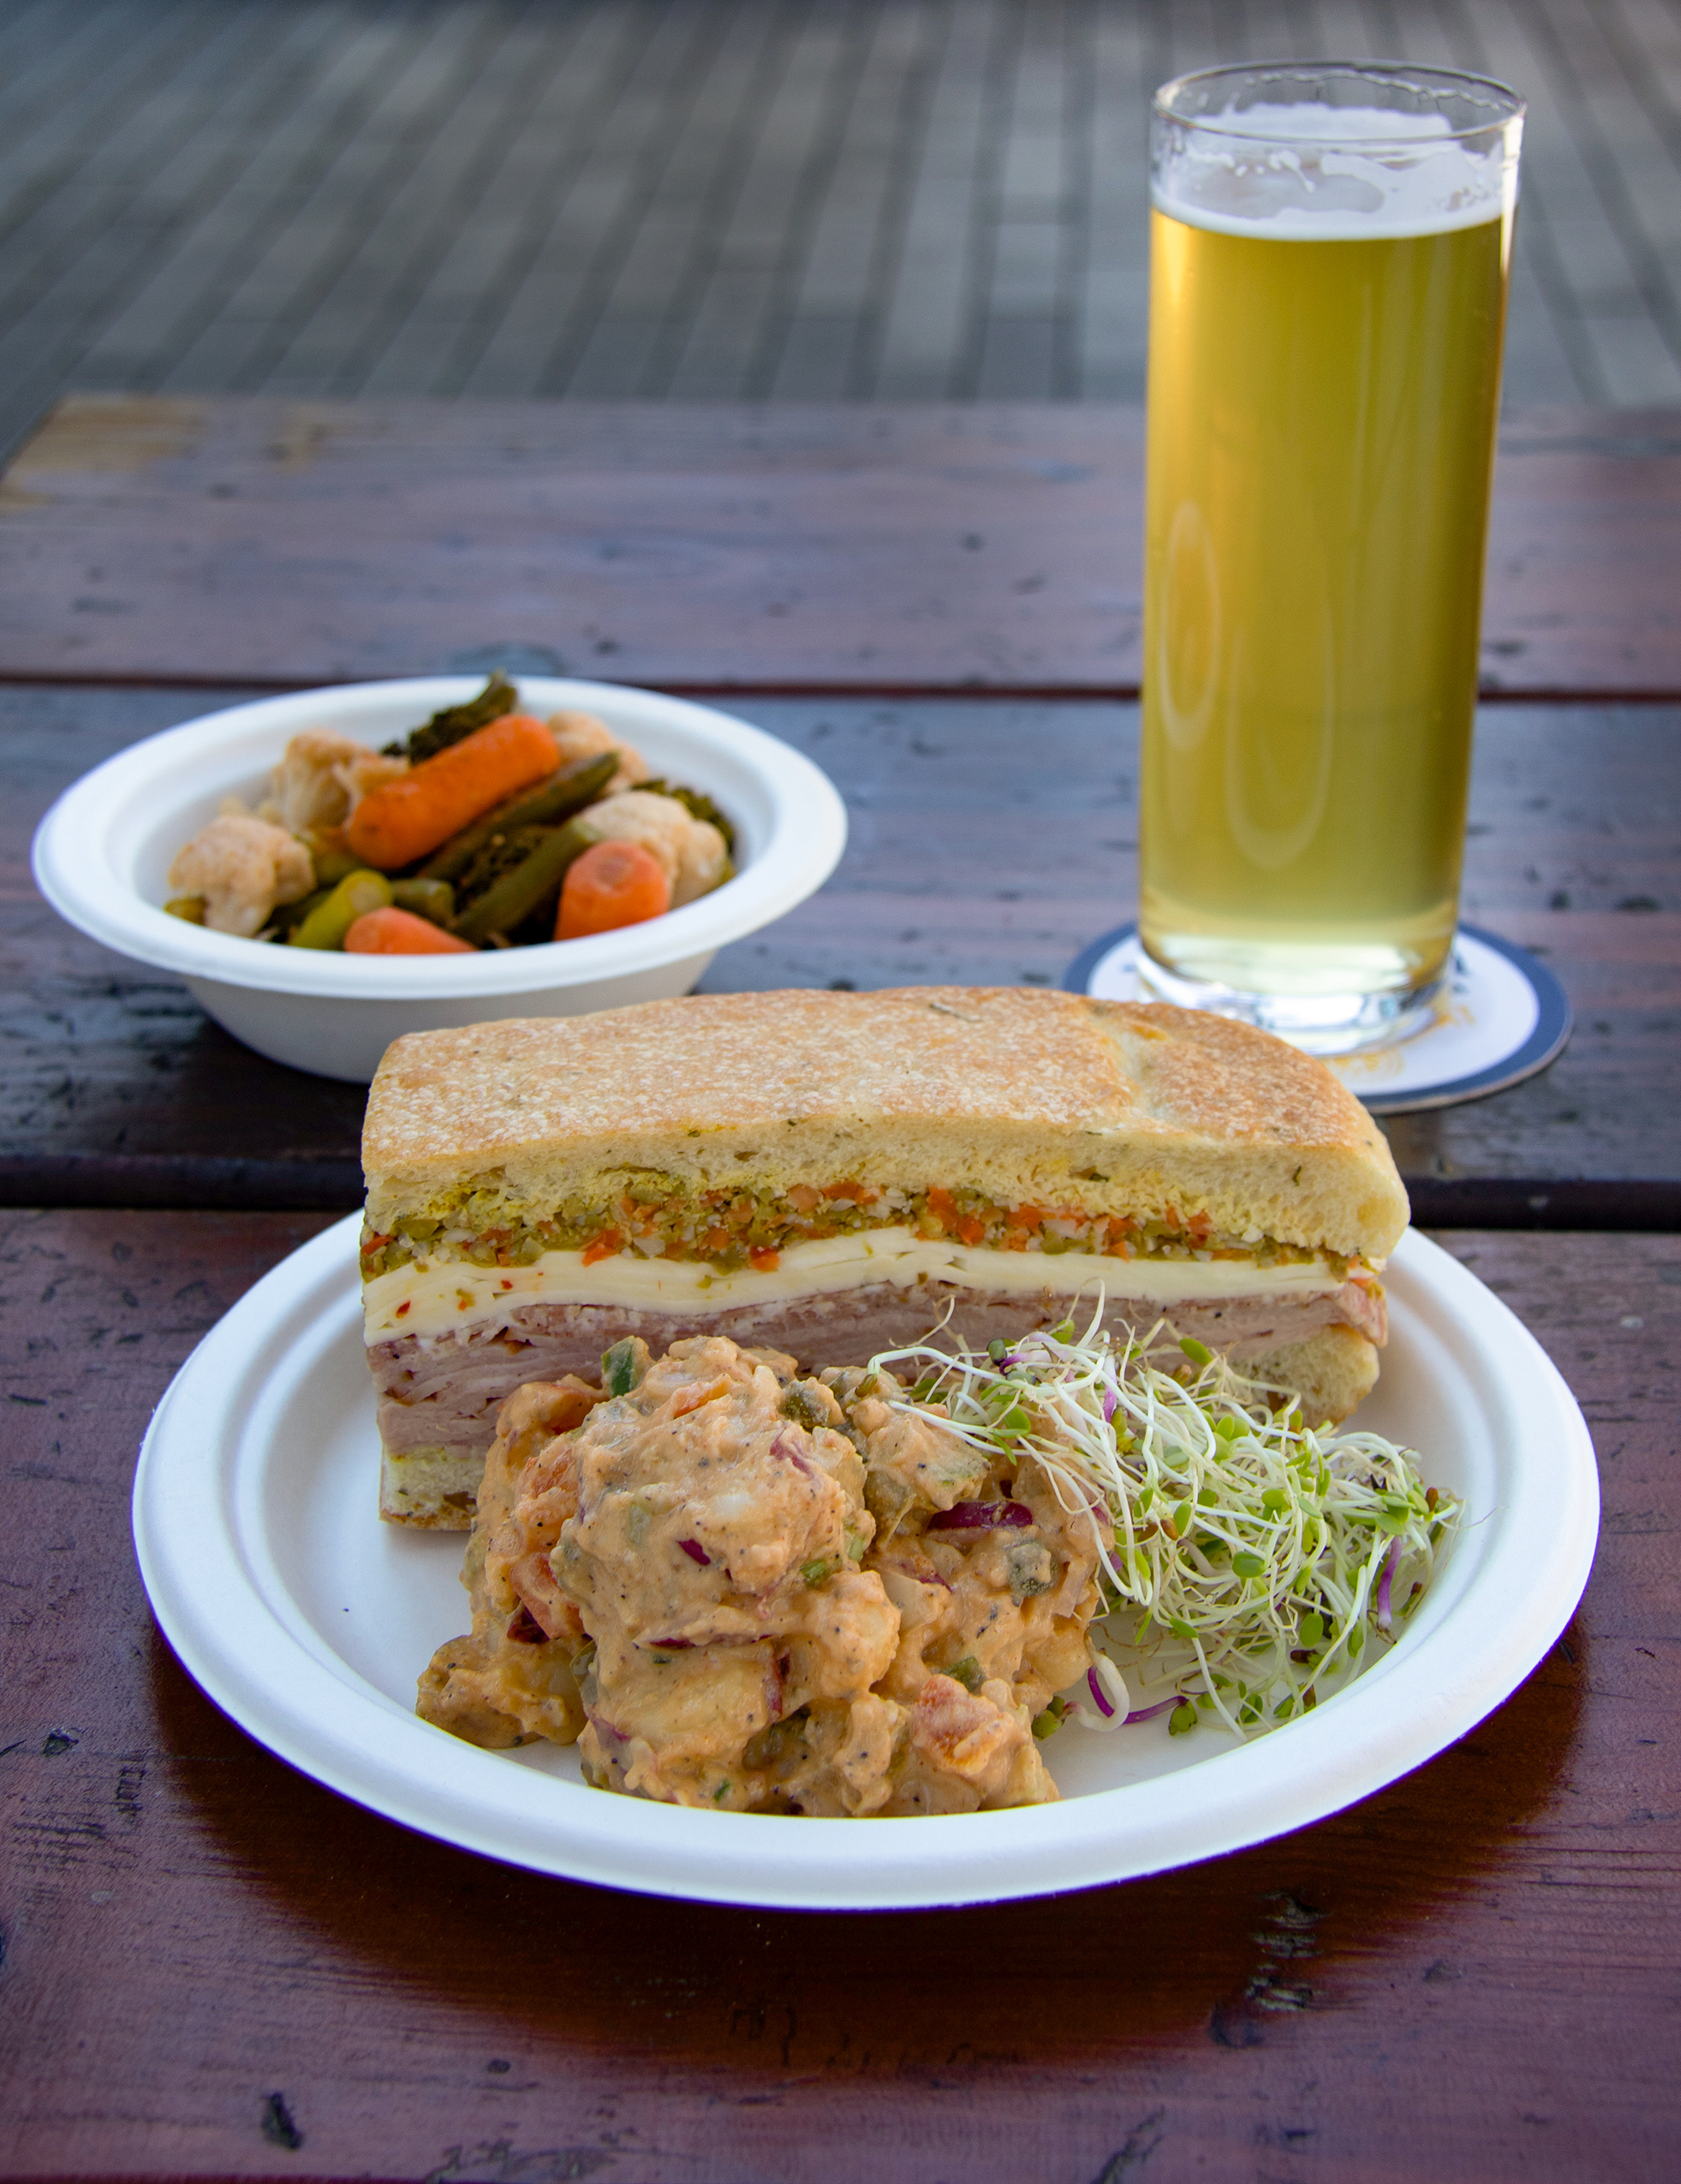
column 1501, row 1016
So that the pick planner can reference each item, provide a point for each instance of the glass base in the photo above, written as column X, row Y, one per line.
column 1318, row 1023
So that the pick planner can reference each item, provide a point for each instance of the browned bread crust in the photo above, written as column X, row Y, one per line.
column 1032, row 1097
column 1332, row 1370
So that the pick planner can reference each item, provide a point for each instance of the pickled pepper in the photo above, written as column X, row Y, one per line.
column 327, row 924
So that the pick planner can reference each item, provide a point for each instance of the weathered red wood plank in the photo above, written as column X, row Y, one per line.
column 990, row 841
column 794, row 546
column 215, row 1967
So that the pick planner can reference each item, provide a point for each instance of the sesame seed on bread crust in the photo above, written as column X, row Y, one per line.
column 1032, row 1097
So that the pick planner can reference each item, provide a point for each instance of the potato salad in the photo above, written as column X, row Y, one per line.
column 740, row 1586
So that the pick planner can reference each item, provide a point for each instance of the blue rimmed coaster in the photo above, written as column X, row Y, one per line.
column 1501, row 1016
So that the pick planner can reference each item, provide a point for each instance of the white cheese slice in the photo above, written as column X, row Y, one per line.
column 431, row 1298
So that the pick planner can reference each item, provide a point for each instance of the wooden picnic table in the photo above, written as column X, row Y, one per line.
column 213, row 1966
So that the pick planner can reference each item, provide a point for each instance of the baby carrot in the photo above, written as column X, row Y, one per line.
column 614, row 884
column 400, row 932
column 409, row 817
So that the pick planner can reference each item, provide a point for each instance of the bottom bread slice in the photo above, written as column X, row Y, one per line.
column 1333, row 1371
column 439, row 1403
column 435, row 1488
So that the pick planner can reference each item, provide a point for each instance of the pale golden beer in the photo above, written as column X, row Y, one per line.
column 1323, row 390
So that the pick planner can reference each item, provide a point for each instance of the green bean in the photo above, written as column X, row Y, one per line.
column 516, row 894
column 327, row 924
column 499, row 857
column 429, row 898
column 332, row 865
column 546, row 805
column 288, row 916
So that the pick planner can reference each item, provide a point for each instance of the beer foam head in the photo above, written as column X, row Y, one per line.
column 1333, row 173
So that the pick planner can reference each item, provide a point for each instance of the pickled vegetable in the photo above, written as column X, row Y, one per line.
column 570, row 790
column 471, row 823
column 393, row 931
column 333, row 865
column 455, row 722
column 529, row 887
column 289, row 915
column 433, row 899
column 330, row 921
column 613, row 885
column 697, row 804
column 411, row 817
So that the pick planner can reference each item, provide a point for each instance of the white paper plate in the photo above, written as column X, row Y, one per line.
column 308, row 1620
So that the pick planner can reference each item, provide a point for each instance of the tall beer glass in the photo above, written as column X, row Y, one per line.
column 1330, row 248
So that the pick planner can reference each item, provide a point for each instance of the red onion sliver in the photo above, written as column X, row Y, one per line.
column 1383, row 1584
column 964, row 1516
column 696, row 1553
column 981, row 1517
column 1099, row 1697
column 524, row 1629
column 782, row 1447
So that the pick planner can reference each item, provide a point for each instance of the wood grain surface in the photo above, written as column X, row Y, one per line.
column 788, row 546
column 214, row 1967
column 990, row 841
column 728, row 198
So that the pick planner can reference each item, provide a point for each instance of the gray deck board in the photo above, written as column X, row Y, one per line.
column 729, row 198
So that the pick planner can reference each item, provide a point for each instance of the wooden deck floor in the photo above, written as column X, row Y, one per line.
column 728, row 198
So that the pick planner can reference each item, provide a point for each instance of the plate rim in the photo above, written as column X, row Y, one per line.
column 349, row 1737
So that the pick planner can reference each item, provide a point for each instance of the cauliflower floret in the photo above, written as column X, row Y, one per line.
column 242, row 868
column 691, row 849
column 580, row 735
column 320, row 781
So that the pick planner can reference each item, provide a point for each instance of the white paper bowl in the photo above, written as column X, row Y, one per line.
column 102, row 855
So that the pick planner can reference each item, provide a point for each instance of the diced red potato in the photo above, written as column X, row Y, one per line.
column 973, row 1748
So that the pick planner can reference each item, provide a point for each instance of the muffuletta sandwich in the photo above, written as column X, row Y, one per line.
column 833, row 1175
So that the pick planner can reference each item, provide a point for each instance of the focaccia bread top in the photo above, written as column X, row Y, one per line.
column 1032, row 1097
